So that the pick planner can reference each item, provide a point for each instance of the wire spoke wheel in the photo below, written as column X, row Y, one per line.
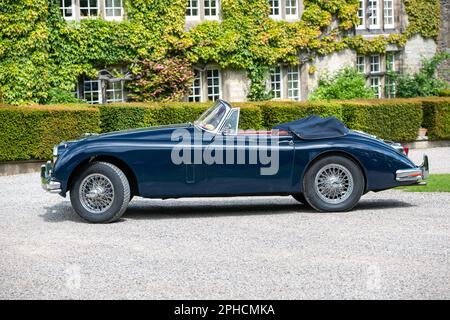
column 96, row 193
column 333, row 183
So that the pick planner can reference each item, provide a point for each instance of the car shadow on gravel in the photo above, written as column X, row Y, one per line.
column 60, row 212
column 152, row 209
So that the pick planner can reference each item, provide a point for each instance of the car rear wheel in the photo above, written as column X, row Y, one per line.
column 100, row 193
column 333, row 183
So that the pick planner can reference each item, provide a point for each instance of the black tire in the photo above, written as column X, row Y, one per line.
column 317, row 197
column 114, row 179
column 300, row 198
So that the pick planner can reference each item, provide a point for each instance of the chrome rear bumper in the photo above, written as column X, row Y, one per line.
column 46, row 179
column 414, row 174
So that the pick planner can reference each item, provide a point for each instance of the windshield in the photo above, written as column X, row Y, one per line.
column 212, row 118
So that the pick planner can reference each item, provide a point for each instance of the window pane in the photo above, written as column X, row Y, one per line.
column 291, row 7
column 361, row 13
column 375, row 85
column 293, row 82
column 388, row 13
column 274, row 7
column 373, row 12
column 210, row 7
column 360, row 64
column 275, row 82
column 195, row 90
column 213, row 82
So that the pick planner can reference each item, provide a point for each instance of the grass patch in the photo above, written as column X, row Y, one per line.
column 435, row 183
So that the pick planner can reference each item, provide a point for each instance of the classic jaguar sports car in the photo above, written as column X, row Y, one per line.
column 318, row 161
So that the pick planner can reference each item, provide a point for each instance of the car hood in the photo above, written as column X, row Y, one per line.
column 160, row 131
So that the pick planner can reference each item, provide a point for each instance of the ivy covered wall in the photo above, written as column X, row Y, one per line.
column 41, row 52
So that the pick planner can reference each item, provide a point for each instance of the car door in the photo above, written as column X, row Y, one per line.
column 252, row 162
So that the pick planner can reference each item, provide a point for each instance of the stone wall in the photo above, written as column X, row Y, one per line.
column 416, row 49
column 235, row 85
column 325, row 65
column 444, row 39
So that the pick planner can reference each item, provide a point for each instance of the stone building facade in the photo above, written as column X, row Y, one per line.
column 444, row 38
column 293, row 82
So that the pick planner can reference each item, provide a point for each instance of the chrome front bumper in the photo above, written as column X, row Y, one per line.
column 414, row 174
column 46, row 179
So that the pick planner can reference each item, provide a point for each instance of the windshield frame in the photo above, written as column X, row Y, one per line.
column 219, row 103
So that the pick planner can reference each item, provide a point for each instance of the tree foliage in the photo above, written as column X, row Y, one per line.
column 40, row 51
column 161, row 80
column 424, row 82
column 345, row 84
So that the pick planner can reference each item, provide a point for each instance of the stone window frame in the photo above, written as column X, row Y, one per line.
column 372, row 64
column 276, row 71
column 63, row 7
column 359, row 64
column 391, row 65
column 91, row 92
column 285, row 82
column 384, row 69
column 377, row 86
column 392, row 14
column 282, row 15
column 76, row 11
column 390, row 90
column 196, row 86
column 88, row 8
column 202, row 74
column 113, row 8
column 362, row 14
column 190, row 8
column 113, row 89
column 365, row 19
column 201, row 11
column 103, row 80
column 373, row 6
column 293, row 70
column 272, row 8
column 214, row 95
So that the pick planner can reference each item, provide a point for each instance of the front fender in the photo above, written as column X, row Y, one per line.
column 81, row 153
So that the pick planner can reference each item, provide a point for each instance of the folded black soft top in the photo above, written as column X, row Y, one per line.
column 314, row 127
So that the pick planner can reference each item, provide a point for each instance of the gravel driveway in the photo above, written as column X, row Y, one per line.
column 393, row 245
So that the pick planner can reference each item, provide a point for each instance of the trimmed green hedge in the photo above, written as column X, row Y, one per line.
column 31, row 132
column 393, row 119
column 444, row 93
column 436, row 117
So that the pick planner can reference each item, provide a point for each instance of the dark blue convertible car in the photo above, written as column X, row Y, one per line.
column 318, row 161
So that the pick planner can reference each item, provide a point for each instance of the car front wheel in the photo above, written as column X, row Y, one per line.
column 100, row 193
column 333, row 183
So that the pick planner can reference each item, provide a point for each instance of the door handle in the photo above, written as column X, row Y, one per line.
column 288, row 142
